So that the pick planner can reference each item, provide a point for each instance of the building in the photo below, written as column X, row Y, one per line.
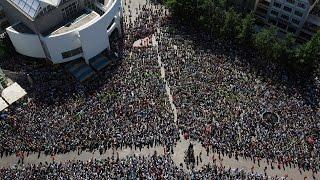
column 244, row 5
column 294, row 16
column 62, row 30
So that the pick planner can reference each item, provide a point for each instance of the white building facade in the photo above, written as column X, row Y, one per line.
column 84, row 29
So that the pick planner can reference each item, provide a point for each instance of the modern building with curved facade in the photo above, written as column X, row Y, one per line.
column 62, row 30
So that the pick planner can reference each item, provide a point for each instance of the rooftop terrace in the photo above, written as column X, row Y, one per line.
column 80, row 20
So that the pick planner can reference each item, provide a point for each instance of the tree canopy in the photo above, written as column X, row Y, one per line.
column 2, row 48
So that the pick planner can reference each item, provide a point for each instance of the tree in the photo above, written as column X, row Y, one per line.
column 246, row 30
column 231, row 21
column 288, row 44
column 222, row 4
column 2, row 48
column 308, row 54
column 184, row 9
column 266, row 42
column 204, row 11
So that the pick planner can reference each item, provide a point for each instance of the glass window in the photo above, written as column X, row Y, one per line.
column 292, row 29
column 278, row 5
column 283, row 16
column 301, row 5
column 286, row 8
column 291, row 1
column 70, row 10
column 298, row 13
column 272, row 21
column 295, row 21
column 275, row 13
column 71, row 53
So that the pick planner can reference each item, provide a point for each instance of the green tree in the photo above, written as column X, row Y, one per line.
column 274, row 47
column 266, row 42
column 308, row 54
column 2, row 48
column 205, row 9
column 222, row 4
column 231, row 21
column 246, row 30
column 184, row 9
column 288, row 45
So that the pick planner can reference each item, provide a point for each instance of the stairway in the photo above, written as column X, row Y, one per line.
column 99, row 62
column 80, row 70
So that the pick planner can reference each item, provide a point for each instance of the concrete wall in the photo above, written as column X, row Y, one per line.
column 98, row 32
column 62, row 43
column 26, row 44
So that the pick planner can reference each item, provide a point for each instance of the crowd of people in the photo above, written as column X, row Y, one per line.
column 130, row 167
column 125, row 106
column 220, row 102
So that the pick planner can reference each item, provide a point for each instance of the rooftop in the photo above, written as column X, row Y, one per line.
column 83, row 18
column 32, row 7
column 314, row 19
column 20, row 27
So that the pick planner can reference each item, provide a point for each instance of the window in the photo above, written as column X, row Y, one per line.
column 286, row 8
column 278, row 5
column 264, row 2
column 305, row 35
column 262, row 11
column 71, row 53
column 285, row 17
column 275, row 13
column 295, row 21
column 272, row 21
column 301, row 5
column 298, row 13
column 63, row 1
column 89, row 4
column 292, row 29
column 282, row 25
column 291, row 1
column 70, row 10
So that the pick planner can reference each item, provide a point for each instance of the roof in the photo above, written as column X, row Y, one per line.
column 32, row 7
column 314, row 19
column 84, row 17
column 51, row 2
column 13, row 93
column 3, row 104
